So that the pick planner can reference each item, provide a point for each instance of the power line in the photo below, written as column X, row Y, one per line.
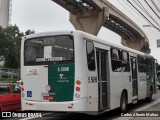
column 126, row 9
column 152, row 10
column 134, row 15
column 158, row 1
column 143, row 15
column 145, row 11
column 155, row 5
column 134, row 10
column 131, row 12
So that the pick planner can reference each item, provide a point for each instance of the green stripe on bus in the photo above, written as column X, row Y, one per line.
column 61, row 80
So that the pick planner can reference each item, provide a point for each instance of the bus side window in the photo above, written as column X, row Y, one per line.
column 116, row 60
column 148, row 65
column 144, row 64
column 90, row 55
column 140, row 64
column 125, row 62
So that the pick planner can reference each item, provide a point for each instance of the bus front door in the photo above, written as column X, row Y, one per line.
column 102, row 63
column 134, row 78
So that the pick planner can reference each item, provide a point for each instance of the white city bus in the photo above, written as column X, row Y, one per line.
column 70, row 71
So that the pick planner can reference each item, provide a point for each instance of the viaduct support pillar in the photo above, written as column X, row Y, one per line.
column 89, row 21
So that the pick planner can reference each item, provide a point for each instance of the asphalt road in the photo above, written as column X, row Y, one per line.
column 115, row 114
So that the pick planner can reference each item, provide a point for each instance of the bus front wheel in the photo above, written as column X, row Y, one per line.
column 123, row 102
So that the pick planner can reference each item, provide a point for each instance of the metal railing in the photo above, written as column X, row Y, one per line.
column 9, row 73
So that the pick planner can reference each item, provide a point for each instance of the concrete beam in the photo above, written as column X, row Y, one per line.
column 116, row 12
column 140, row 45
column 89, row 21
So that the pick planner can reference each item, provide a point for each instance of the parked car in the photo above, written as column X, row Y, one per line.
column 10, row 96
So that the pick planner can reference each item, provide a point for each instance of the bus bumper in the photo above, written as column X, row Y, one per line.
column 71, row 106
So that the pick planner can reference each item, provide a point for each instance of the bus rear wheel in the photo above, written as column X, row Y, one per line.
column 123, row 102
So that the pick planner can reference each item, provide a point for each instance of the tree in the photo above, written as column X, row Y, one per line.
column 10, row 44
column 29, row 32
column 2, row 37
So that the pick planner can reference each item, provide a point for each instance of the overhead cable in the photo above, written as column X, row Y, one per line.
column 152, row 10
column 144, row 10
column 158, row 9
column 131, row 12
column 143, row 15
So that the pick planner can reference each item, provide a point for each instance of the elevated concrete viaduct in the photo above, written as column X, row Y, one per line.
column 91, row 15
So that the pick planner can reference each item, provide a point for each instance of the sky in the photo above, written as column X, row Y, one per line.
column 45, row 15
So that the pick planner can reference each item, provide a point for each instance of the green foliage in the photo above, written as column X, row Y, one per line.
column 8, row 79
column 2, row 42
column 29, row 32
column 10, row 43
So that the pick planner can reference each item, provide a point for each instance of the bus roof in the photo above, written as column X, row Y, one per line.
column 87, row 35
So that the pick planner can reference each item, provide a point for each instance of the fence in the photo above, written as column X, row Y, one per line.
column 9, row 73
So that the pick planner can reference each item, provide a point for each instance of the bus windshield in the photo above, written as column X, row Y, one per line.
column 49, row 50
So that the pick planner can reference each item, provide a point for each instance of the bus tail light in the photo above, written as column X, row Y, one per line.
column 78, row 88
column 22, row 88
column 78, row 82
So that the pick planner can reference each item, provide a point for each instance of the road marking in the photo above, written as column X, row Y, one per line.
column 46, row 114
column 27, row 118
column 140, row 109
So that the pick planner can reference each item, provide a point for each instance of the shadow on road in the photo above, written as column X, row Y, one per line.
column 105, row 116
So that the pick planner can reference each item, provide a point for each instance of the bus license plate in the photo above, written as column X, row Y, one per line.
column 48, row 97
